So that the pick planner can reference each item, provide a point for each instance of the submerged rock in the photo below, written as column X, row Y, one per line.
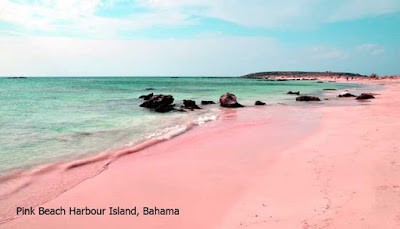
column 229, row 100
column 205, row 102
column 159, row 103
column 179, row 110
column 150, row 89
column 329, row 89
column 17, row 77
column 259, row 103
column 365, row 96
column 146, row 97
column 190, row 104
column 307, row 98
column 293, row 93
column 346, row 95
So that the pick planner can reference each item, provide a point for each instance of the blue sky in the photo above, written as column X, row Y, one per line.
column 197, row 37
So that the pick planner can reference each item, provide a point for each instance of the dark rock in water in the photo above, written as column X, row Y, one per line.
column 229, row 100
column 281, row 80
column 190, row 104
column 320, row 82
column 146, row 97
column 346, row 95
column 365, row 96
column 207, row 102
column 17, row 77
column 259, row 103
column 163, row 109
column 307, row 98
column 150, row 89
column 293, row 93
column 329, row 89
column 159, row 103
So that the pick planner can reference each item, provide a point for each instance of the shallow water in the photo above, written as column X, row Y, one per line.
column 46, row 120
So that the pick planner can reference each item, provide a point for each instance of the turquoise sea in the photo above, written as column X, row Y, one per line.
column 46, row 120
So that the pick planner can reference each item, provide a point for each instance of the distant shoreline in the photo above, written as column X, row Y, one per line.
column 315, row 75
column 258, row 75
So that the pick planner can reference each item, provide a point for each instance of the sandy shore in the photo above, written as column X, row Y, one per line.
column 268, row 167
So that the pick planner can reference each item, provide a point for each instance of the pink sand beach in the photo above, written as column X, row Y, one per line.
column 305, row 166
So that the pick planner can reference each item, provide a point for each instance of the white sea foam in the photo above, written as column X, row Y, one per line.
column 173, row 131
column 202, row 120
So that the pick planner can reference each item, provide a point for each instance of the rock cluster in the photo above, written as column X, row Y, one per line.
column 159, row 103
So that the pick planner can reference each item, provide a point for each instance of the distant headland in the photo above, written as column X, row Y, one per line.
column 260, row 75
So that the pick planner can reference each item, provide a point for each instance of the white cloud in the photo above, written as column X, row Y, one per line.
column 372, row 49
column 42, row 14
column 356, row 9
column 283, row 13
column 80, row 15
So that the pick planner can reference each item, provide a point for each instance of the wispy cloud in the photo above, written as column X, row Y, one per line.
column 81, row 15
column 283, row 13
column 372, row 49
column 326, row 52
column 356, row 9
column 378, row 51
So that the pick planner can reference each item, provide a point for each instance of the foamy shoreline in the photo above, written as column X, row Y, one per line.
column 183, row 157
